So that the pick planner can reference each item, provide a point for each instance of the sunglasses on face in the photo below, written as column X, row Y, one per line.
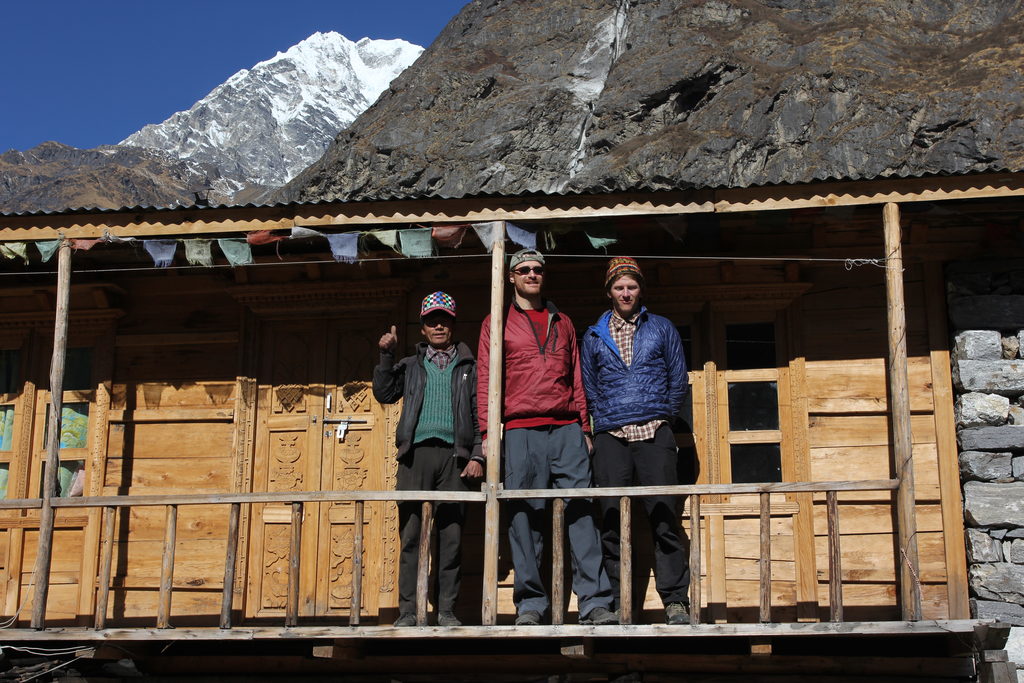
column 526, row 270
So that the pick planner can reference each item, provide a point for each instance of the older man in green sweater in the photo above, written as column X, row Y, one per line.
column 438, row 445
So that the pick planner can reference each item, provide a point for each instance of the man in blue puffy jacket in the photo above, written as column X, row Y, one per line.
column 634, row 373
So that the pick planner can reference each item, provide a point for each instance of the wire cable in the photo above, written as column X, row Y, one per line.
column 849, row 263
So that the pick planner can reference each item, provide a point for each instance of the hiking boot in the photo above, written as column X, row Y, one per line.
column 406, row 619
column 599, row 616
column 447, row 619
column 528, row 618
column 676, row 614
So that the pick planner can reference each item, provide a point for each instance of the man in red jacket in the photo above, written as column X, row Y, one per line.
column 545, row 415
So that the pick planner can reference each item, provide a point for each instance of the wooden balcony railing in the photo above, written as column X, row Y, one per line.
column 234, row 502
column 909, row 597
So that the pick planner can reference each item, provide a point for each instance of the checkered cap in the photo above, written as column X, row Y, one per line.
column 438, row 301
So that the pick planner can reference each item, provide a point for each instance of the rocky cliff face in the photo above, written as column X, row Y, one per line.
column 52, row 177
column 521, row 96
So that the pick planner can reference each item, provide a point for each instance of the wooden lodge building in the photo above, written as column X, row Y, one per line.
column 207, row 515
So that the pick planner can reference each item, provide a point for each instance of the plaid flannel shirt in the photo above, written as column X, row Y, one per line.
column 442, row 359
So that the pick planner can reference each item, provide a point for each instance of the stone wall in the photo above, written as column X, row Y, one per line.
column 986, row 310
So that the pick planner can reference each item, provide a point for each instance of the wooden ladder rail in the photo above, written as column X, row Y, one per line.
column 230, row 560
column 423, row 563
column 625, row 560
column 356, row 606
column 695, row 553
column 291, row 616
column 765, row 560
column 163, row 611
column 106, row 563
column 558, row 561
column 835, row 570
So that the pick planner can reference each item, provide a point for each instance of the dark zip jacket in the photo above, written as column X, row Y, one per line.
column 651, row 388
column 408, row 378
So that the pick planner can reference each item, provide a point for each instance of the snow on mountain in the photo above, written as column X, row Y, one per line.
column 265, row 124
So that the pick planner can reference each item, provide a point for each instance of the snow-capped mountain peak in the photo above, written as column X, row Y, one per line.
column 265, row 124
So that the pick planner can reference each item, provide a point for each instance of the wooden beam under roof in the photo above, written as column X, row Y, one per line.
column 195, row 221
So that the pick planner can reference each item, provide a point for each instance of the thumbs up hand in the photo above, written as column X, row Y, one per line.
column 389, row 340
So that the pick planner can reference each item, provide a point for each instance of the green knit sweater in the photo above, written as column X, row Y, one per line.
column 436, row 420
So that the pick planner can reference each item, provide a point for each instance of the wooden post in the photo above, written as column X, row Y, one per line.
column 163, row 610
column 899, row 406
column 423, row 564
column 765, row 611
column 695, row 547
column 230, row 559
column 44, row 551
column 625, row 561
column 558, row 561
column 291, row 610
column 835, row 559
column 106, row 561
column 489, row 603
column 952, row 506
column 356, row 606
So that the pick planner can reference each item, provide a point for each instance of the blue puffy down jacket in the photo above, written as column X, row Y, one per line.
column 652, row 387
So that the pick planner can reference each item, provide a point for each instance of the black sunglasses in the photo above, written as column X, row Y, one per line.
column 526, row 270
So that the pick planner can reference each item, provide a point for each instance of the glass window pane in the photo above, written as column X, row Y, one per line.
column 9, row 364
column 78, row 370
column 756, row 462
column 5, row 469
column 6, row 428
column 750, row 346
column 70, row 478
column 753, row 405
column 74, row 425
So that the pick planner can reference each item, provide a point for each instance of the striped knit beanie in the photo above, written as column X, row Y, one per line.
column 622, row 265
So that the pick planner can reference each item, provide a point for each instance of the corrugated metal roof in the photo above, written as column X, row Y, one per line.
column 397, row 197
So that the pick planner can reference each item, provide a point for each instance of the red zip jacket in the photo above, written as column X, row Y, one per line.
column 540, row 381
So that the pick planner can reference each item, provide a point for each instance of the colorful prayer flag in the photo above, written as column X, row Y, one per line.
column 416, row 243
column 199, row 252
column 524, row 238
column 344, row 246
column 237, row 251
column 449, row 235
column 162, row 251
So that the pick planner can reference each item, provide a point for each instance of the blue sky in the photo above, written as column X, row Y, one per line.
column 91, row 72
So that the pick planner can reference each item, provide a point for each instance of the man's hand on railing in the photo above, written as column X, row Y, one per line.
column 473, row 470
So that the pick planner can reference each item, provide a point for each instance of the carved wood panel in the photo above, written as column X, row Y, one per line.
column 313, row 370
column 289, row 395
column 274, row 567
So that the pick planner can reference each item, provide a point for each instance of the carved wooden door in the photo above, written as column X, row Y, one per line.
column 314, row 374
